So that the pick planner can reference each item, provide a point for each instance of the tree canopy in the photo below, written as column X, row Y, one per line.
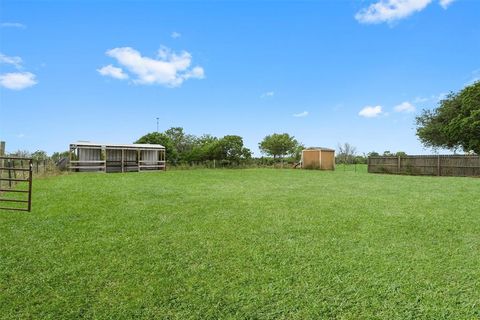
column 164, row 140
column 455, row 123
column 39, row 155
column 230, row 148
column 279, row 145
column 181, row 147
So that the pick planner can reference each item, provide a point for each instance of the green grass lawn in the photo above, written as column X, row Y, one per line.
column 254, row 243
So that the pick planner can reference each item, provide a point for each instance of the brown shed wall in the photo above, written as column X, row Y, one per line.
column 318, row 159
column 311, row 159
column 328, row 160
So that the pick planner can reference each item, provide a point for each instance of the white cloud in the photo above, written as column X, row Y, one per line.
column 175, row 35
column 445, row 3
column 20, row 135
column 17, row 80
column 267, row 94
column 301, row 114
column 406, row 107
column 390, row 10
column 393, row 10
column 15, row 61
column 420, row 99
column 370, row 112
column 12, row 25
column 113, row 72
column 169, row 69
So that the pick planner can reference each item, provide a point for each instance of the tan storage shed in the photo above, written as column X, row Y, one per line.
column 318, row 158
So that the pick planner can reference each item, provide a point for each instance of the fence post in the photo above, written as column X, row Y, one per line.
column 9, row 173
column 438, row 165
column 30, row 177
column 2, row 161
column 398, row 164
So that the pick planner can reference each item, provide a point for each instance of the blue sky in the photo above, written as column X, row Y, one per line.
column 324, row 71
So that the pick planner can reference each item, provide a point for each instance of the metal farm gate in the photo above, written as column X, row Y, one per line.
column 14, row 172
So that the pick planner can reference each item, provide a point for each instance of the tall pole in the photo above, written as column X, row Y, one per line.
column 157, row 124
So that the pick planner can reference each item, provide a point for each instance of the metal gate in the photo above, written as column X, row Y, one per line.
column 14, row 172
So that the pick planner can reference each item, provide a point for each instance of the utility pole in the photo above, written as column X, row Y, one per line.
column 157, row 124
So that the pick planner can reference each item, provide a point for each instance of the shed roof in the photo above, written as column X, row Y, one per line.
column 116, row 145
column 318, row 148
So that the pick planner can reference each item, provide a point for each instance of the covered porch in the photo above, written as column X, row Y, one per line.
column 97, row 157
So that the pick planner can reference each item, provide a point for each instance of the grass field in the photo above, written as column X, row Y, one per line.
column 255, row 243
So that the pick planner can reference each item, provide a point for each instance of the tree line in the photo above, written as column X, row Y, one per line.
column 182, row 148
column 347, row 154
column 187, row 148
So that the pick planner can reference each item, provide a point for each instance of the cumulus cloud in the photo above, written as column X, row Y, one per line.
column 175, row 35
column 390, row 10
column 14, row 61
column 17, row 80
column 370, row 112
column 406, row 107
column 393, row 10
column 169, row 69
column 12, row 25
column 113, row 72
column 267, row 94
column 445, row 3
column 301, row 114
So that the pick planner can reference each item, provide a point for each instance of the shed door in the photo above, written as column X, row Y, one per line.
column 311, row 159
column 328, row 158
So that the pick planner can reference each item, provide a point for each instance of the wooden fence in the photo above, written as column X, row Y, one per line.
column 431, row 165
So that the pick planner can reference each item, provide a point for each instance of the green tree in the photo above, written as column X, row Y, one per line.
column 455, row 123
column 182, row 142
column 164, row 140
column 202, row 149
column 39, row 155
column 230, row 148
column 278, row 145
column 57, row 156
column 360, row 159
column 297, row 152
